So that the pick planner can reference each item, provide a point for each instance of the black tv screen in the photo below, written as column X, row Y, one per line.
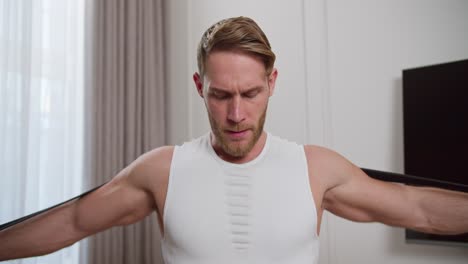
column 435, row 121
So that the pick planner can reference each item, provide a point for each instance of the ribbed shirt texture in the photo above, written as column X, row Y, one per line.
column 257, row 212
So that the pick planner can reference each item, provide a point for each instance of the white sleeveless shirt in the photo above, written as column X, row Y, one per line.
column 257, row 212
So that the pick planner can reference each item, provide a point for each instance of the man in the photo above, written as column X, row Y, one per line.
column 238, row 194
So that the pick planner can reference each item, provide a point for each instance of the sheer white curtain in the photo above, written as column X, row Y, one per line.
column 41, row 108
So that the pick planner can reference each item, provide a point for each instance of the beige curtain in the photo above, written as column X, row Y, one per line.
column 126, row 113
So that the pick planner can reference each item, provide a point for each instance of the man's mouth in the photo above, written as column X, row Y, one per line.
column 237, row 134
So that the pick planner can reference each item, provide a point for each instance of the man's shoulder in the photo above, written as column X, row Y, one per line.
column 157, row 158
column 322, row 159
column 327, row 166
column 314, row 152
column 152, row 167
column 159, row 152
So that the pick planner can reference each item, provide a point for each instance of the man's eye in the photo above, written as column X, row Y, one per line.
column 251, row 94
column 220, row 95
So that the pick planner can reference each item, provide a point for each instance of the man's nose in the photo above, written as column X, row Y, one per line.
column 235, row 111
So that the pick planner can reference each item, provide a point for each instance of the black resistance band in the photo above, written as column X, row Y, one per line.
column 379, row 175
column 24, row 218
column 415, row 180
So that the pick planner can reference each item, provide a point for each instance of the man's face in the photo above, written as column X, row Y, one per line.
column 236, row 90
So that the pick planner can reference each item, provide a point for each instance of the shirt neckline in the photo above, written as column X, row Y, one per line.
column 237, row 165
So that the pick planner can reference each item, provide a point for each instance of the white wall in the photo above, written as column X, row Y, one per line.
column 340, row 68
column 369, row 45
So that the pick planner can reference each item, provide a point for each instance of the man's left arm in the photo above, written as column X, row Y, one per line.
column 351, row 194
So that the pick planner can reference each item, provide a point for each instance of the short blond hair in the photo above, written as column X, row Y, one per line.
column 235, row 34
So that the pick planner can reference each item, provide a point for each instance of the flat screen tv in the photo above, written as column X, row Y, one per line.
column 435, row 121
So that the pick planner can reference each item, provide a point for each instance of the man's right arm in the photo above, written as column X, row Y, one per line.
column 128, row 198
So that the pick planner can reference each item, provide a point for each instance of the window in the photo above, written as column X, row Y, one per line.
column 41, row 108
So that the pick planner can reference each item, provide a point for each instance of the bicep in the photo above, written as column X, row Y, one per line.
column 119, row 202
column 363, row 199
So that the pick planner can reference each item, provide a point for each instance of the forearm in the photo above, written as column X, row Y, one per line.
column 42, row 234
column 445, row 212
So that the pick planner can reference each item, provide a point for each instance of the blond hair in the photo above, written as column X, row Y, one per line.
column 235, row 34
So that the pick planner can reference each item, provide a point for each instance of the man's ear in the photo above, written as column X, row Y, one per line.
column 198, row 83
column 272, row 80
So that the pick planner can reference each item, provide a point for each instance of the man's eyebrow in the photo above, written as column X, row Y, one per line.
column 216, row 89
column 258, row 87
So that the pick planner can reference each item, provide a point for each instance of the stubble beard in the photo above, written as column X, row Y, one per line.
column 237, row 149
